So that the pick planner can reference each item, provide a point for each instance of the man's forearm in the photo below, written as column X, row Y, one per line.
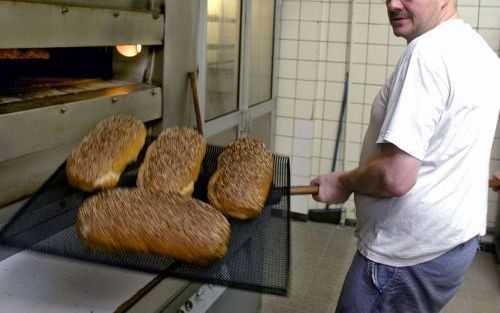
column 369, row 179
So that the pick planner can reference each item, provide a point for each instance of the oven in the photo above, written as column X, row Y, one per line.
column 67, row 64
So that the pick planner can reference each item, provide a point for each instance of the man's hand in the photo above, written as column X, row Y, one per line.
column 330, row 188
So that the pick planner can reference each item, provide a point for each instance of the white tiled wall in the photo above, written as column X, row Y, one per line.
column 312, row 61
column 319, row 40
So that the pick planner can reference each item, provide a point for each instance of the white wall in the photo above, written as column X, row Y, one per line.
column 319, row 40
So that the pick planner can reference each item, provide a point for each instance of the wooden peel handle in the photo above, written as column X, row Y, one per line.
column 304, row 190
column 494, row 184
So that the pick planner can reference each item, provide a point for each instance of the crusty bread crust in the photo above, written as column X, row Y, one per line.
column 241, row 183
column 173, row 161
column 146, row 220
column 98, row 161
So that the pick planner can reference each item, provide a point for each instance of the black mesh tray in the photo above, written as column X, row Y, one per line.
column 258, row 255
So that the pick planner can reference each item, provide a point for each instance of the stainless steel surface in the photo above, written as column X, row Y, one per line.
column 31, row 25
column 34, row 132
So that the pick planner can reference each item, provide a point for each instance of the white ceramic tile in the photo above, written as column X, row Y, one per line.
column 307, row 70
column 286, row 88
column 310, row 11
column 390, row 71
column 325, row 11
column 327, row 148
column 309, row 30
column 285, row 107
column 308, row 50
column 301, row 166
column 375, row 74
column 339, row 12
column 357, row 73
column 378, row 34
column 353, row 133
column 318, row 128
column 290, row 10
column 469, row 15
column 290, row 30
column 354, row 113
column 358, row 53
column 370, row 93
column 394, row 54
column 492, row 3
column 304, row 109
column 305, row 89
column 334, row 91
column 320, row 90
column 322, row 70
column 331, row 111
column 325, row 165
column 329, row 130
column 357, row 93
column 284, row 126
column 338, row 32
column 323, row 51
column 378, row 14
column 299, row 204
column 352, row 152
column 337, row 52
column 302, row 147
column 469, row 2
column 335, row 71
column 315, row 164
column 377, row 54
column 316, row 152
column 303, row 129
column 349, row 165
column 491, row 36
column 287, row 69
column 323, row 31
column 360, row 12
column 318, row 109
column 288, row 49
column 367, row 112
column 283, row 145
column 360, row 33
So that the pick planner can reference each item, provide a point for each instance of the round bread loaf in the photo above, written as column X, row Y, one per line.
column 241, row 183
column 145, row 220
column 173, row 161
column 98, row 161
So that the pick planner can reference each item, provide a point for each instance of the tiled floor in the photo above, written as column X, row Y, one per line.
column 322, row 253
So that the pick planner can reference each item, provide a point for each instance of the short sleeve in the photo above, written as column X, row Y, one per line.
column 417, row 98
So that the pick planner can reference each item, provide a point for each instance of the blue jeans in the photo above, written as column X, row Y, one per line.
column 423, row 288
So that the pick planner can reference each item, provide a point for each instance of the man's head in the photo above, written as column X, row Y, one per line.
column 412, row 18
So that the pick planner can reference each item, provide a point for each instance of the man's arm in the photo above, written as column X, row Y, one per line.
column 391, row 174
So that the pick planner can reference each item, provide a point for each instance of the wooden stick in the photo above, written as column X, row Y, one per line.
column 194, row 89
column 304, row 190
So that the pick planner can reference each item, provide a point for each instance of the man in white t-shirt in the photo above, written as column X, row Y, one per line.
column 421, row 185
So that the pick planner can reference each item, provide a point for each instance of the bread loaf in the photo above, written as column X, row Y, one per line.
column 145, row 220
column 97, row 162
column 241, row 183
column 173, row 161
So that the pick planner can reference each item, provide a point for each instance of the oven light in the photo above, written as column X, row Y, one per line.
column 129, row 50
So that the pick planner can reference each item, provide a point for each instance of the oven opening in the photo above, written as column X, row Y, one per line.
column 33, row 73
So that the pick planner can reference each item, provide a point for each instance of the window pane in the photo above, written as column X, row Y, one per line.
column 223, row 36
column 261, row 54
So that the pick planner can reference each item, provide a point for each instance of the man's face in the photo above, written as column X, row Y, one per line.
column 412, row 18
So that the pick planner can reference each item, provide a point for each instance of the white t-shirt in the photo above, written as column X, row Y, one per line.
column 441, row 106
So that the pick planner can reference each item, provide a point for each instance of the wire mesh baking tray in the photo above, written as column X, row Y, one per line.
column 258, row 256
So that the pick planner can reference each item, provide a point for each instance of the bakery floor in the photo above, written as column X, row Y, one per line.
column 322, row 253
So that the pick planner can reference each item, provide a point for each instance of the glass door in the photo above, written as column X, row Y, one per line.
column 235, row 61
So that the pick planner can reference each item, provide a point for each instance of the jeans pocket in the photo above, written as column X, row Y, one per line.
column 382, row 275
